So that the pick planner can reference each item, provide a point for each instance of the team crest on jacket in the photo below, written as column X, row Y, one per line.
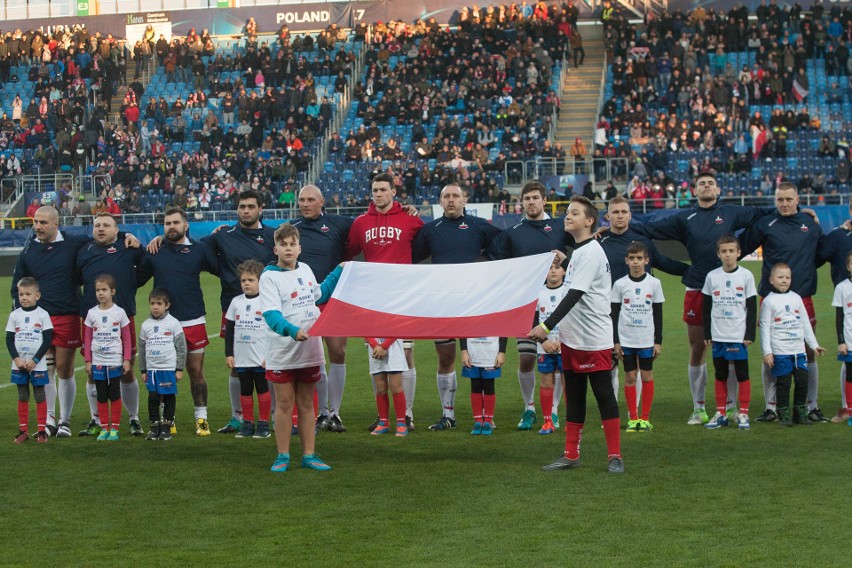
column 324, row 228
column 803, row 228
column 463, row 226
column 185, row 250
column 718, row 220
column 112, row 250
column 547, row 228
column 260, row 239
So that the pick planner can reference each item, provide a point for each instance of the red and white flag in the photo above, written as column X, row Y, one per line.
column 435, row 301
column 799, row 91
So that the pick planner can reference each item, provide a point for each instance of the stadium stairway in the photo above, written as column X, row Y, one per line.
column 581, row 92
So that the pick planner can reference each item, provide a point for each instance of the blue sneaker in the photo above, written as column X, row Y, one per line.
column 555, row 419
column 487, row 428
column 719, row 420
column 381, row 428
column 282, row 463
column 314, row 462
column 477, row 429
column 527, row 420
column 849, row 421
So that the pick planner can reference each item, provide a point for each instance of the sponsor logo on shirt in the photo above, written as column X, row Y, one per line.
column 294, row 295
column 803, row 228
column 718, row 220
column 324, row 228
column 547, row 228
column 184, row 250
column 260, row 239
column 463, row 226
column 111, row 250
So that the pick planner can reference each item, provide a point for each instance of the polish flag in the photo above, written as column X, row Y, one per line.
column 435, row 301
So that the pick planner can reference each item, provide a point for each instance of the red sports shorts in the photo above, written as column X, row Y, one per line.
column 67, row 331
column 196, row 337
column 693, row 306
column 307, row 375
column 578, row 361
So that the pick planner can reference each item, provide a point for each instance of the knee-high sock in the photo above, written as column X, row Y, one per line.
column 477, row 405
column 612, row 433
column 615, row 382
column 573, row 436
column 234, row 393
column 115, row 414
column 130, row 399
column 383, row 406
column 733, row 387
column 630, row 399
column 92, row 399
column 50, row 398
column 557, row 394
column 336, row 384
column 399, row 406
column 409, row 385
column 843, row 397
column 447, row 385
column 488, row 404
column 813, row 385
column 247, row 405
column 264, row 406
column 744, row 396
column 545, row 397
column 322, row 392
column 698, row 384
column 527, row 382
column 67, row 393
column 647, row 399
column 769, row 387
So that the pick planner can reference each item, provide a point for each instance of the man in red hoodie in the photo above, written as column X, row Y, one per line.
column 385, row 233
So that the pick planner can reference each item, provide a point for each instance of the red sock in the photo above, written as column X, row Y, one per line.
column 316, row 402
column 573, row 435
column 103, row 414
column 477, row 404
column 647, row 398
column 247, row 402
column 264, row 404
column 745, row 396
column 848, row 389
column 545, row 396
column 115, row 416
column 383, row 406
column 399, row 405
column 721, row 395
column 612, row 431
column 24, row 414
column 41, row 415
column 489, row 401
column 630, row 397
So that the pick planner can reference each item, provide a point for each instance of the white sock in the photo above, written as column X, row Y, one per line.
column 638, row 389
column 769, row 388
column 615, row 382
column 92, row 399
column 409, row 385
column 527, row 382
column 50, row 393
column 67, row 393
column 322, row 392
column 336, row 384
column 698, row 384
column 447, row 385
column 813, row 385
column 733, row 387
column 201, row 412
column 843, row 385
column 129, row 397
column 234, row 392
column 557, row 393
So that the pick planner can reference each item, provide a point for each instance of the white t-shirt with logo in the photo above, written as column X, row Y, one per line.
column 729, row 291
column 636, row 318
column 28, row 325
column 588, row 326
column 251, row 333
column 107, row 347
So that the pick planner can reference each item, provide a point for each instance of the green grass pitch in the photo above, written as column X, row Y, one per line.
column 690, row 497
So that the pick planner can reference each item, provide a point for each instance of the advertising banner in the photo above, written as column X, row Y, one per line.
column 136, row 24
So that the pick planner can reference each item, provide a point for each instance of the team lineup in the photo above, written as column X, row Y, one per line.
column 599, row 305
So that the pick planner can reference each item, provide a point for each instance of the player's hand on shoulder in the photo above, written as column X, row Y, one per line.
column 769, row 360
column 154, row 245
column 812, row 213
column 220, row 227
column 600, row 232
column 130, row 241
column 411, row 210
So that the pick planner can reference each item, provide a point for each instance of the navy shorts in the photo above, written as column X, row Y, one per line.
column 480, row 373
column 549, row 362
column 104, row 372
column 161, row 382
column 784, row 364
column 36, row 378
column 730, row 351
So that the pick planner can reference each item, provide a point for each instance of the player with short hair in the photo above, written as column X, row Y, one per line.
column 637, row 323
column 842, row 303
column 730, row 313
column 289, row 293
column 246, row 336
column 585, row 334
column 536, row 233
column 107, row 352
column 177, row 267
column 29, row 332
column 50, row 258
column 453, row 238
column 162, row 358
column 794, row 238
column 549, row 358
column 386, row 234
column 482, row 361
column 784, row 331
column 107, row 254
